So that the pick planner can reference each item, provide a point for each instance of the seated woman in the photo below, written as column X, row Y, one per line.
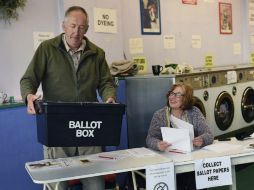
column 179, row 104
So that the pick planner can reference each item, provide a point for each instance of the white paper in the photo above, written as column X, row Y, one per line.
column 196, row 41
column 136, row 45
column 184, row 125
column 213, row 172
column 237, row 48
column 105, row 20
column 252, row 38
column 160, row 176
column 179, row 138
column 251, row 17
column 49, row 164
column 169, row 41
column 209, row 1
column 231, row 77
column 140, row 152
column 40, row 37
column 222, row 147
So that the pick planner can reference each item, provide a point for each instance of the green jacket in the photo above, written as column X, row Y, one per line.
column 53, row 67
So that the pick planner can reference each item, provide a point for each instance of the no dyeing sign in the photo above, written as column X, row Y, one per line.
column 105, row 20
column 213, row 172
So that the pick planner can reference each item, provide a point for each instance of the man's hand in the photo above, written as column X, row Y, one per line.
column 30, row 103
column 111, row 100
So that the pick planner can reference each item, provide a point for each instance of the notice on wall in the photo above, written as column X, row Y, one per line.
column 209, row 1
column 251, row 12
column 169, row 41
column 237, row 48
column 136, row 45
column 160, row 177
column 252, row 58
column 208, row 61
column 105, row 20
column 196, row 41
column 40, row 37
column 252, row 38
column 213, row 172
column 142, row 64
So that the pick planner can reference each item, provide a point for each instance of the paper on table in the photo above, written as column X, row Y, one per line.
column 179, row 138
column 140, row 152
column 58, row 163
column 180, row 124
column 221, row 147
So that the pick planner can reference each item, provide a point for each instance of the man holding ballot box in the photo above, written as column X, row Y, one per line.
column 70, row 68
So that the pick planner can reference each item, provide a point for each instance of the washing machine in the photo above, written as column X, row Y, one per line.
column 245, row 101
column 222, row 103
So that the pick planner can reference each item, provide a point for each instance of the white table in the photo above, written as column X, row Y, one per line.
column 186, row 162
column 183, row 163
column 96, row 167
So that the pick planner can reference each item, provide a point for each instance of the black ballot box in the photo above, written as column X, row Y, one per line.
column 65, row 124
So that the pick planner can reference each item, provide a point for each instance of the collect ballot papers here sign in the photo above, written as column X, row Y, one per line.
column 213, row 172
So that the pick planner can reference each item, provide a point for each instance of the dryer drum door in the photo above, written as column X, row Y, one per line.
column 247, row 105
column 199, row 104
column 224, row 111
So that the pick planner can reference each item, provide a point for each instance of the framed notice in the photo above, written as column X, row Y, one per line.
column 225, row 18
column 150, row 17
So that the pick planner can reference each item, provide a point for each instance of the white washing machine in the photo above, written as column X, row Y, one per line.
column 245, row 101
column 222, row 104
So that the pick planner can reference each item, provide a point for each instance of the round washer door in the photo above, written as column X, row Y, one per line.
column 199, row 104
column 224, row 110
column 247, row 104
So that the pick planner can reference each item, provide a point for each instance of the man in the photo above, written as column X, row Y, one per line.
column 70, row 68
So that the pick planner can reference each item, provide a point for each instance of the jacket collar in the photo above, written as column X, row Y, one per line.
column 58, row 43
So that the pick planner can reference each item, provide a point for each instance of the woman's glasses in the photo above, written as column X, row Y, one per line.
column 176, row 94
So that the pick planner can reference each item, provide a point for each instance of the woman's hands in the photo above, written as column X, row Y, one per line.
column 198, row 141
column 163, row 145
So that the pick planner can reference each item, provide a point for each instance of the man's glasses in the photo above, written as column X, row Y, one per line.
column 176, row 94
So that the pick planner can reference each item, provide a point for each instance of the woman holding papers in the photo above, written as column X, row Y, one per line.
column 179, row 108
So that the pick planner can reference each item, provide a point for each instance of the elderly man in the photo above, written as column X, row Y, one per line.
column 70, row 68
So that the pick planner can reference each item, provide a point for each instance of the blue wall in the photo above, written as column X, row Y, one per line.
column 18, row 145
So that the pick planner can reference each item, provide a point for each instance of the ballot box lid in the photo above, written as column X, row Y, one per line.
column 65, row 124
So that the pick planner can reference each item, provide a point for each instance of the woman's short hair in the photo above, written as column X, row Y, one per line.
column 188, row 100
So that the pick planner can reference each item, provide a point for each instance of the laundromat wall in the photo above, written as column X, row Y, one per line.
column 180, row 20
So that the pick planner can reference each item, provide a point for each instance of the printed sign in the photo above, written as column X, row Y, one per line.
column 213, row 172
column 252, row 58
column 105, row 20
column 208, row 61
column 160, row 177
column 40, row 37
column 142, row 64
column 85, row 128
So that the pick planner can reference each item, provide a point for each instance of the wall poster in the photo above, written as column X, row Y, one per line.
column 225, row 16
column 150, row 17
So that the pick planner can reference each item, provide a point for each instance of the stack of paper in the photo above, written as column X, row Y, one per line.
column 181, row 137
